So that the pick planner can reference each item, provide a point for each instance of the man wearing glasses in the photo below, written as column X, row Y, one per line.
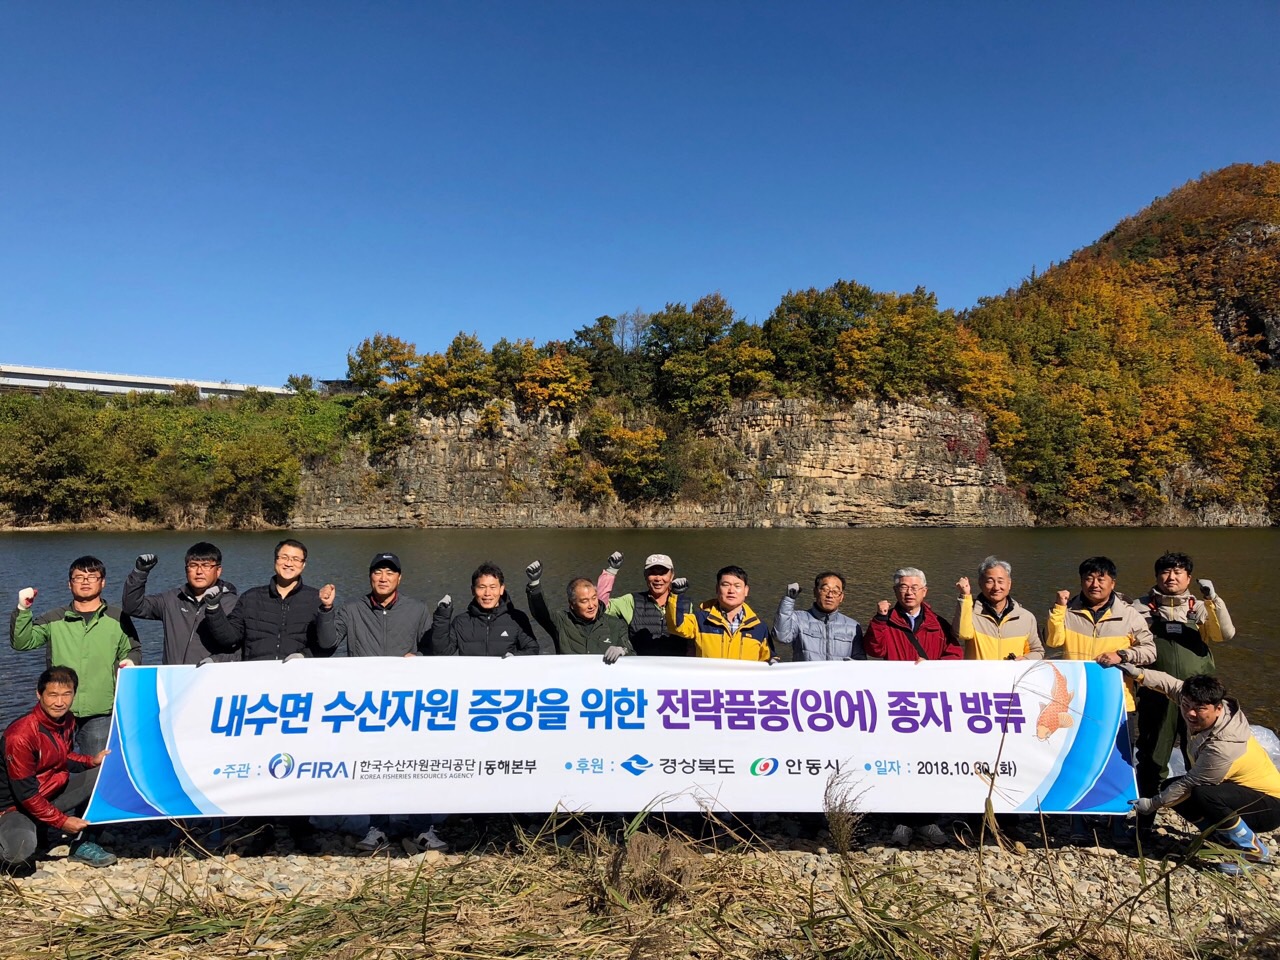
column 91, row 638
column 187, row 639
column 822, row 632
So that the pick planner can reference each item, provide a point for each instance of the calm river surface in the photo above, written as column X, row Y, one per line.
column 440, row 561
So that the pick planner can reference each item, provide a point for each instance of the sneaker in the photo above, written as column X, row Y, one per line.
column 373, row 840
column 88, row 852
column 427, row 840
column 902, row 835
column 932, row 833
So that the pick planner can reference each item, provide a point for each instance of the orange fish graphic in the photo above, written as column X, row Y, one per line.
column 1054, row 715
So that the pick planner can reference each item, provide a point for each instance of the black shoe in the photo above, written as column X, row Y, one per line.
column 18, row 871
column 306, row 841
column 258, row 843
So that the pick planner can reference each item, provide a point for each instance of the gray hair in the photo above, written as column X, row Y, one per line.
column 572, row 587
column 900, row 575
column 992, row 561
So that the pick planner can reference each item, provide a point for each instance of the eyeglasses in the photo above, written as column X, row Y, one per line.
column 202, row 565
column 290, row 561
column 908, row 588
column 831, row 591
column 86, row 577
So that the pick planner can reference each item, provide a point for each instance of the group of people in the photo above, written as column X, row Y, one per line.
column 1161, row 641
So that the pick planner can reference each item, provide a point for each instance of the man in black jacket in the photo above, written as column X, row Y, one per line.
column 384, row 622
column 284, row 620
column 491, row 626
column 187, row 639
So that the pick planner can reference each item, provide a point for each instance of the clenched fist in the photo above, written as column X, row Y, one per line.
column 327, row 595
column 26, row 597
column 145, row 562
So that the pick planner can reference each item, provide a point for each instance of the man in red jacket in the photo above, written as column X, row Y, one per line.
column 910, row 630
column 44, row 784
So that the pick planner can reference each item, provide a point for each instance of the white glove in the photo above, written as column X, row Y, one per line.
column 295, row 656
column 1206, row 589
column 205, row 662
column 614, row 654
column 508, row 655
column 773, row 660
column 26, row 597
column 679, row 585
column 534, row 572
column 1130, row 669
column 614, row 562
column 1144, row 806
column 445, row 601
column 793, row 590
column 212, row 598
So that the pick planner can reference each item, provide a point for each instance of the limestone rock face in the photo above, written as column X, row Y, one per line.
column 793, row 463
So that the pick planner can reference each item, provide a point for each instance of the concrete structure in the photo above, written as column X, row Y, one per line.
column 39, row 379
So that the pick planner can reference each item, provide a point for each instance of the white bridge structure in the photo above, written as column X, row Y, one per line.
column 39, row 379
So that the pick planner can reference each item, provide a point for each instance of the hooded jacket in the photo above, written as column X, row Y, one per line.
column 1180, row 625
column 477, row 632
column 371, row 630
column 712, row 636
column 187, row 639
column 91, row 644
column 1226, row 751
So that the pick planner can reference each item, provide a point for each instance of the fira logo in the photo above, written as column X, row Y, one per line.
column 281, row 765
column 764, row 766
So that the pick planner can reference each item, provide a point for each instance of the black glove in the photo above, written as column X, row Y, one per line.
column 614, row 562
column 212, row 598
column 445, row 601
column 679, row 585
column 793, row 590
column 145, row 562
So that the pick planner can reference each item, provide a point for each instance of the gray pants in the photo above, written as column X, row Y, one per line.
column 19, row 833
column 91, row 734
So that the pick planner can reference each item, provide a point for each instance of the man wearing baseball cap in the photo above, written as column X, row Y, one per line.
column 644, row 611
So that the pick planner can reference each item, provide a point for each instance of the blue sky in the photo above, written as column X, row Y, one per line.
column 241, row 191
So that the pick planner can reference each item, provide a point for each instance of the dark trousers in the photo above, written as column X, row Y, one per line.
column 1218, row 805
column 19, row 833
column 1160, row 726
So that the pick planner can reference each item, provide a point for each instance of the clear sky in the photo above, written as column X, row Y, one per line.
column 241, row 191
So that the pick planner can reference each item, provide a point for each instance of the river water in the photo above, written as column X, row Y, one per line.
column 440, row 561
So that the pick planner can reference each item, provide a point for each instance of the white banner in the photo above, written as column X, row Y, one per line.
column 531, row 734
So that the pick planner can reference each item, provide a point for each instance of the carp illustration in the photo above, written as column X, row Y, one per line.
column 1055, row 714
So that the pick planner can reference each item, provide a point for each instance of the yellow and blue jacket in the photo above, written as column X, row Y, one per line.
column 710, row 635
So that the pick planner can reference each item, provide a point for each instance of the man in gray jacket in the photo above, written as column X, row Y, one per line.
column 182, row 610
column 822, row 632
column 384, row 622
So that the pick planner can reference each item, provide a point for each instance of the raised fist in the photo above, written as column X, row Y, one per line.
column 145, row 562
column 534, row 572
column 212, row 598
column 445, row 601
column 1063, row 597
column 1206, row 589
column 327, row 595
column 614, row 562
column 883, row 608
column 26, row 597
column 793, row 590
column 679, row 585
column 963, row 586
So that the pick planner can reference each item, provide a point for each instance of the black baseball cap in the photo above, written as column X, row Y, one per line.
column 385, row 560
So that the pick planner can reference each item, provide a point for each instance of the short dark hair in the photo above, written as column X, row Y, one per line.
column 576, row 582
column 1098, row 565
column 206, row 551
column 732, row 571
column 817, row 581
column 296, row 544
column 58, row 675
column 1171, row 560
column 1202, row 688
column 87, row 564
column 488, row 569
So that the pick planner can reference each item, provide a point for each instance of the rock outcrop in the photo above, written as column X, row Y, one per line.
column 792, row 463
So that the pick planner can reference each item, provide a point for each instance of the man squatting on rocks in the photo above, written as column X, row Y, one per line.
column 1180, row 624
column 46, row 785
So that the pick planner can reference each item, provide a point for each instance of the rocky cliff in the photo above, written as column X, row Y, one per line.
column 793, row 464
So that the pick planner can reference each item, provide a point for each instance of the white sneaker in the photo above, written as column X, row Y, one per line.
column 427, row 840
column 902, row 835
column 373, row 840
column 932, row 833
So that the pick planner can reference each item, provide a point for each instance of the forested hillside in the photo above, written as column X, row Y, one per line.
column 1136, row 373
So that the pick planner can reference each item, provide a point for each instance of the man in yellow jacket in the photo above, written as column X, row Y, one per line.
column 725, row 627
column 994, row 626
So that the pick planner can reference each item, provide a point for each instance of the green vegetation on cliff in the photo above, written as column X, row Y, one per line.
column 1136, row 374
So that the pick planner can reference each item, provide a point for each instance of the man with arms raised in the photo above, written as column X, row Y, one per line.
column 644, row 611
column 994, row 626
column 1182, row 627
column 283, row 620
column 45, row 785
column 1233, row 787
column 909, row 630
column 182, row 609
column 491, row 626
column 724, row 627
column 822, row 632
column 90, row 637
column 584, row 627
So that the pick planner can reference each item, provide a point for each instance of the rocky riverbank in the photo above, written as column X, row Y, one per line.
column 657, row 893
